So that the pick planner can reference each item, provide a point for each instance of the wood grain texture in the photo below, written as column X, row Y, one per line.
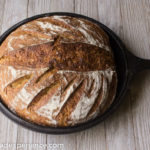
column 136, row 24
column 45, row 6
column 10, row 16
column 2, row 5
column 129, row 127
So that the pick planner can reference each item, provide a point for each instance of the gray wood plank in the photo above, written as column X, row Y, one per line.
column 119, row 128
column 2, row 5
column 87, row 7
column 12, row 12
column 136, row 35
column 62, row 5
column 45, row 6
column 30, row 140
column 38, row 7
column 15, row 11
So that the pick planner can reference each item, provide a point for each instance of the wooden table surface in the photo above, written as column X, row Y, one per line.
column 129, row 127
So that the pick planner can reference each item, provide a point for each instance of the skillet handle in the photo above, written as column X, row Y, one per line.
column 136, row 64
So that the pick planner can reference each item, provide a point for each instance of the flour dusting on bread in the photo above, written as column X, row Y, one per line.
column 57, row 71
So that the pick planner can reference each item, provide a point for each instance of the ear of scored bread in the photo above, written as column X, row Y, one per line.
column 62, row 56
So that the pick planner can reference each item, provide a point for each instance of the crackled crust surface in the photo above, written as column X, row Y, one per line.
column 57, row 71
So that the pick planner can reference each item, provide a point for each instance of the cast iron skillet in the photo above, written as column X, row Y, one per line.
column 127, row 66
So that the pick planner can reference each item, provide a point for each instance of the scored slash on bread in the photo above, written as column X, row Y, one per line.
column 57, row 71
column 62, row 56
column 41, row 98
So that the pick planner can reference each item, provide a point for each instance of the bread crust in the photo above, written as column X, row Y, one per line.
column 57, row 71
column 62, row 56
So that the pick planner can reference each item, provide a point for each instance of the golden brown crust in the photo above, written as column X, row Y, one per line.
column 57, row 71
column 62, row 56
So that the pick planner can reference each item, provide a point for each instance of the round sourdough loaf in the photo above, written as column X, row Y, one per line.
column 57, row 71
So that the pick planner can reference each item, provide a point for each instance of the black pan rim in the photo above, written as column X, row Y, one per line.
column 71, row 129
